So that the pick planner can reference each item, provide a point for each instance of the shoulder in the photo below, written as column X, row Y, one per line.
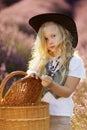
column 76, row 67
column 76, row 60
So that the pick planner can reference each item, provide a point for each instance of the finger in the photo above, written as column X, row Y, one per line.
column 44, row 84
column 43, row 77
column 32, row 75
column 37, row 76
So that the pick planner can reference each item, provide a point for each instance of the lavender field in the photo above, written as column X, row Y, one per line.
column 16, row 40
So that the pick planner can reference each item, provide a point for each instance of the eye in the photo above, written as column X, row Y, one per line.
column 46, row 39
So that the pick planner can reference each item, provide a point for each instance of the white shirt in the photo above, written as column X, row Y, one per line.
column 64, row 106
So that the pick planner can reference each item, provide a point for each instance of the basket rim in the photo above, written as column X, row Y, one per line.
column 41, row 105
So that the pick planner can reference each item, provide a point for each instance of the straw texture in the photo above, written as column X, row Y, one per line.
column 24, row 91
column 34, row 117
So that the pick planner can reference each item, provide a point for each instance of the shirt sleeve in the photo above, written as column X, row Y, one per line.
column 76, row 68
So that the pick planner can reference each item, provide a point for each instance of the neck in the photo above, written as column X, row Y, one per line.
column 54, row 54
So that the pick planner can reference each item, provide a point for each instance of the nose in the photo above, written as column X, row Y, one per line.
column 50, row 41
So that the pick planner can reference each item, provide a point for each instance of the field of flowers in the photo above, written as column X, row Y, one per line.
column 16, row 40
column 14, row 49
column 79, row 118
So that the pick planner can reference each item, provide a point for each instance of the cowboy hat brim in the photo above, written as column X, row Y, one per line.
column 64, row 20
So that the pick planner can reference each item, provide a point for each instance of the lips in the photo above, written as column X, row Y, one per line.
column 52, row 46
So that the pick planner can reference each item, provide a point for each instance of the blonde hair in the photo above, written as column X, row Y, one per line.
column 40, row 55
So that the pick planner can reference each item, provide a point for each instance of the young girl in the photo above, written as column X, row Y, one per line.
column 53, row 60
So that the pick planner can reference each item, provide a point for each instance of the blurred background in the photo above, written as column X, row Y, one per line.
column 17, row 37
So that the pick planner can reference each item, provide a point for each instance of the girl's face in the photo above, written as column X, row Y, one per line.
column 52, row 37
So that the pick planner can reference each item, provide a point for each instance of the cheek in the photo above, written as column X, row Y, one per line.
column 58, row 40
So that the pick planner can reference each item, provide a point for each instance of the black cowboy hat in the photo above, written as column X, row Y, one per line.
column 62, row 19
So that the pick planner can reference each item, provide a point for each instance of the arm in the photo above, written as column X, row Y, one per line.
column 63, row 91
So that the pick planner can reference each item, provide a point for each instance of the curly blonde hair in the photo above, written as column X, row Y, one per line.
column 40, row 54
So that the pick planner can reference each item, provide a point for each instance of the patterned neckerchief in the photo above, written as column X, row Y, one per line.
column 54, row 65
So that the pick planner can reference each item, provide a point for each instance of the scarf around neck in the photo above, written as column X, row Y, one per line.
column 54, row 65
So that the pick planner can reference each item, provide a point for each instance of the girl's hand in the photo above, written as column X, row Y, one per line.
column 34, row 75
column 46, row 81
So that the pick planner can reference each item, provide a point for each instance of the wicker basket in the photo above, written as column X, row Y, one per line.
column 23, row 91
column 35, row 117
column 27, row 113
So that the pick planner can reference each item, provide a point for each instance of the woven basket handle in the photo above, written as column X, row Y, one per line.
column 7, row 78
